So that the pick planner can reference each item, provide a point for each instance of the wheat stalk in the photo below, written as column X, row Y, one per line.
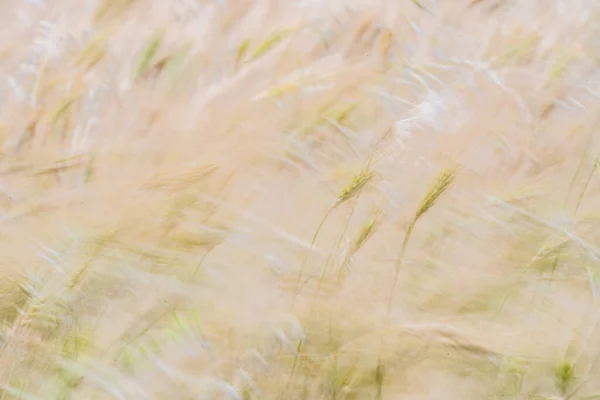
column 437, row 189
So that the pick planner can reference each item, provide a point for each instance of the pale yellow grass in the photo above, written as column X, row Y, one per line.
column 299, row 200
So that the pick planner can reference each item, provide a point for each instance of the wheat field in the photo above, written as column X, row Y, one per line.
column 318, row 199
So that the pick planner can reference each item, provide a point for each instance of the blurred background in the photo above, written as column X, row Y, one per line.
column 299, row 199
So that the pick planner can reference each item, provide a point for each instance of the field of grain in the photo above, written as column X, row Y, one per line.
column 318, row 199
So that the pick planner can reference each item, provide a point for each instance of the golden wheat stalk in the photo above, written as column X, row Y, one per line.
column 364, row 234
column 356, row 186
column 439, row 187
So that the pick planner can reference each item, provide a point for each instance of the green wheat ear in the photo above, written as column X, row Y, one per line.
column 148, row 53
column 242, row 51
column 359, row 181
column 269, row 43
column 442, row 183
column 564, row 375
column 366, row 231
column 364, row 234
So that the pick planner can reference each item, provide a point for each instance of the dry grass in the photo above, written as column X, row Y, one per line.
column 299, row 199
